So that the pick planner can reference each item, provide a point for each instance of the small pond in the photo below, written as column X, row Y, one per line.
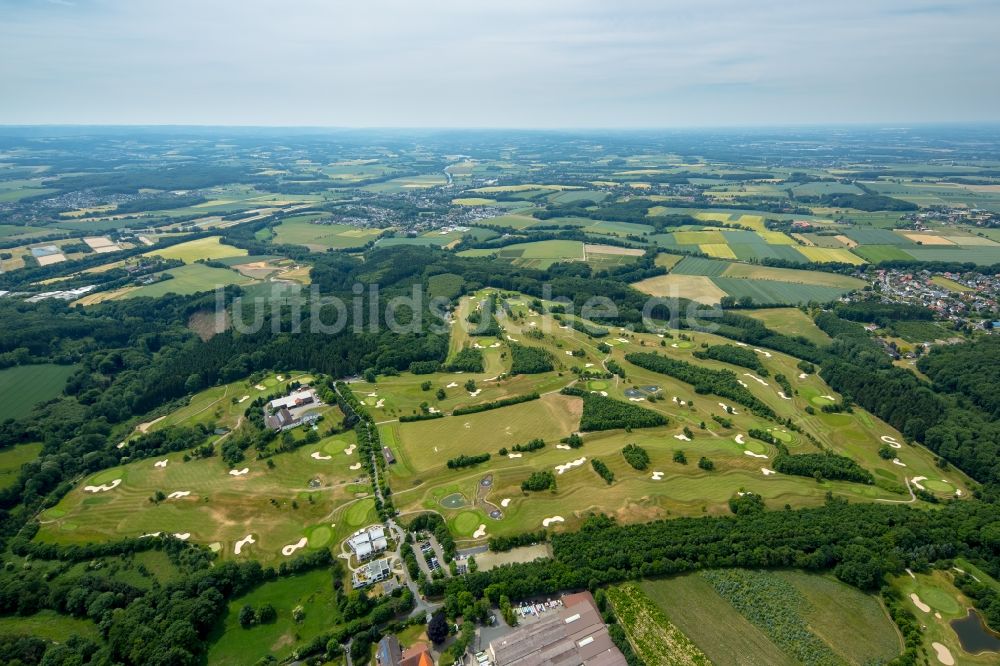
column 973, row 634
column 454, row 501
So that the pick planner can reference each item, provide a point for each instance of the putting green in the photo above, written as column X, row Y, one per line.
column 820, row 400
column 597, row 385
column 335, row 446
column 684, row 344
column 781, row 436
column 466, row 522
column 320, row 536
column 454, row 501
column 939, row 600
column 754, row 446
column 938, row 486
column 106, row 477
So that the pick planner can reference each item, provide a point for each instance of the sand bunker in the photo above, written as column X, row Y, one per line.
column 479, row 533
column 511, row 339
column 260, row 387
column 473, row 394
column 674, row 345
column 943, row 654
column 829, row 397
column 916, row 481
column 897, row 461
column 761, row 351
column 728, row 408
column 316, row 455
column 505, row 502
column 755, row 378
column 350, row 449
column 433, row 410
column 570, row 465
column 494, row 345
column 657, row 476
column 739, row 439
column 683, row 438
column 743, row 383
column 553, row 519
column 569, row 353
column 380, row 403
column 239, row 472
column 242, row 542
column 514, row 455
column 802, row 375
column 912, row 575
column 161, row 463
column 452, row 385
column 104, row 487
column 754, row 455
column 183, row 536
column 919, row 603
column 767, row 472
column 782, row 394
column 477, row 346
column 742, row 344
column 636, row 399
column 565, row 447
column 292, row 547
column 354, row 467
column 177, row 494
column 588, row 365
column 891, row 441
column 623, row 340
column 242, row 400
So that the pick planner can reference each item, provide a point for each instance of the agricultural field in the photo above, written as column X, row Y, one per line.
column 692, row 277
column 783, row 617
column 24, row 386
column 189, row 279
column 535, row 254
column 207, row 248
column 317, row 235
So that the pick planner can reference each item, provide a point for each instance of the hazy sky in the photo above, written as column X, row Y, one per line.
column 502, row 63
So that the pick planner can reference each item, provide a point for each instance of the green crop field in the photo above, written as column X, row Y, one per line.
column 24, row 386
column 774, row 292
column 983, row 256
column 776, row 618
column 700, row 266
column 877, row 253
column 535, row 254
column 211, row 247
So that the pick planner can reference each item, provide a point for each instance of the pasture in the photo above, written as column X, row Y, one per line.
column 24, row 386
column 189, row 279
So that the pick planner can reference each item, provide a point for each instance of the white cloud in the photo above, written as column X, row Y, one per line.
column 451, row 63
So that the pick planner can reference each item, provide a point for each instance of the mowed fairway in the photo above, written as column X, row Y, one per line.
column 694, row 287
column 221, row 508
column 24, row 386
column 202, row 248
column 427, row 445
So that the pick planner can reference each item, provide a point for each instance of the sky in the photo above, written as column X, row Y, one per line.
column 502, row 63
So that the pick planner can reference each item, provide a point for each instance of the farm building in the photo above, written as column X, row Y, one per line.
column 368, row 542
column 576, row 634
column 389, row 458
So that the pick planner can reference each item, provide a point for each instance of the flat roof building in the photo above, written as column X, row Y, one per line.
column 575, row 634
